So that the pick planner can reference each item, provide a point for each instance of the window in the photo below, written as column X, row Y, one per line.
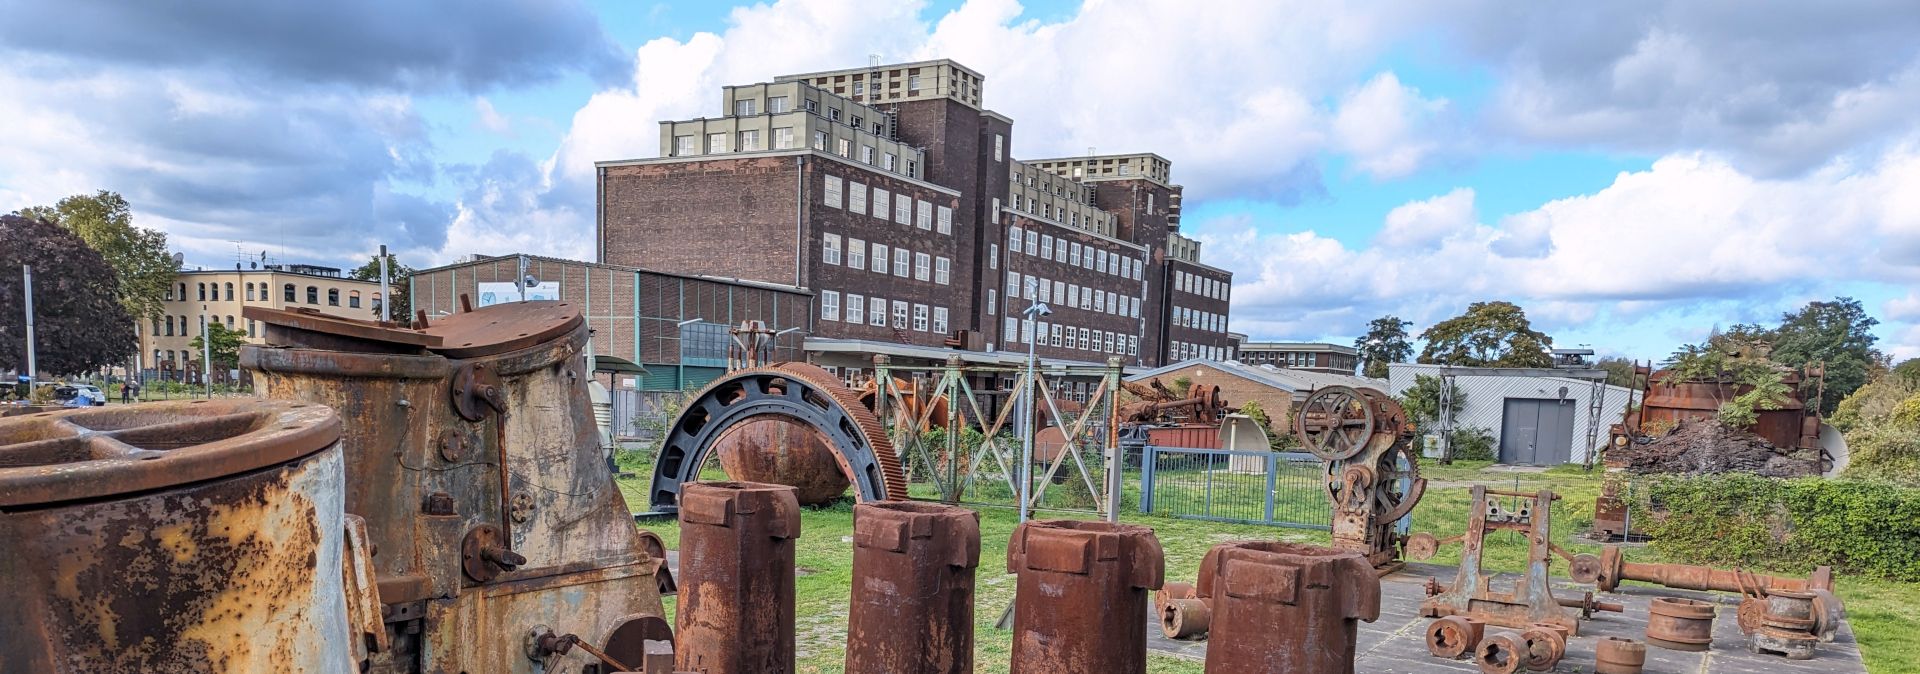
column 1026, row 330
column 287, row 293
column 889, row 161
column 856, row 253
column 249, row 292
column 829, row 305
column 999, row 146
column 1133, row 307
column 913, row 84
column 1060, row 250
column 313, row 295
column 1046, row 290
column 819, row 139
column 866, row 154
column 831, row 195
column 856, row 309
column 925, row 213
column 920, row 317
column 940, row 320
column 859, row 89
column 942, row 223
column 1060, row 290
column 900, row 314
column 685, row 146
column 913, row 169
column 879, row 258
column 1106, row 342
column 743, row 107
column 1033, row 242
column 169, row 326
column 1010, row 333
column 250, row 328
column 994, row 215
column 1099, row 256
column 882, row 200
column 1013, row 240
column 229, row 322
column 942, row 271
column 830, row 248
column 922, row 266
column 783, row 138
column 716, row 143
column 1133, row 345
column 833, row 114
column 183, row 293
column 990, row 302
column 993, row 256
column 901, row 262
column 229, row 292
column 1073, row 295
column 1149, row 202
column 776, row 104
column 854, row 121
column 203, row 293
column 1013, row 286
column 1073, row 254
column 750, row 141
column 1083, row 338
column 1100, row 300
column 333, row 297
column 843, row 147
column 353, row 299
column 1053, row 335
column 903, row 209
column 1086, row 297
column 877, row 312
column 857, row 198
column 1046, row 245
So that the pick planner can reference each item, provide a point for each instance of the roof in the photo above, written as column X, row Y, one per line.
column 1281, row 378
column 479, row 259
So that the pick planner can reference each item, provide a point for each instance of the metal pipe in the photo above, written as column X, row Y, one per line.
column 386, row 293
column 26, row 270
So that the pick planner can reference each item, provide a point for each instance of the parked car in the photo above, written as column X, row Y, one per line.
column 68, row 392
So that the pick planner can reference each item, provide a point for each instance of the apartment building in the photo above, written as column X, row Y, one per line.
column 895, row 198
column 1310, row 356
column 218, row 295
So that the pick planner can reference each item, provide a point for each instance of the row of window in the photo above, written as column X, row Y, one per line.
column 905, row 209
column 1184, row 350
column 1071, row 295
column 1021, row 331
column 289, row 294
column 860, row 309
column 1072, row 253
column 749, row 140
column 906, row 263
column 183, row 330
column 1199, row 320
column 1201, row 285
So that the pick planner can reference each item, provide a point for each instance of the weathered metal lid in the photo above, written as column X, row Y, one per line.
column 53, row 457
column 502, row 328
column 312, row 321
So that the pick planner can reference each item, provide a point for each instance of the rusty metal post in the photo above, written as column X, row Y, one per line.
column 1082, row 593
column 1286, row 607
column 736, row 578
column 912, row 602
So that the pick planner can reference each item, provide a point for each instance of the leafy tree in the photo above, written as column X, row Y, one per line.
column 1619, row 371
column 138, row 257
column 1838, row 334
column 1489, row 334
column 1422, row 401
column 399, row 278
column 79, row 326
column 226, row 344
column 1385, row 342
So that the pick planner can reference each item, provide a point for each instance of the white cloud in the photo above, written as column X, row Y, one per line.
column 1420, row 224
column 1905, row 308
column 1383, row 125
column 486, row 117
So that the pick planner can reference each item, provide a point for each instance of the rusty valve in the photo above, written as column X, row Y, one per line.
column 1786, row 626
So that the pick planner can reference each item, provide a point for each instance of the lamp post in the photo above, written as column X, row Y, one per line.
column 1035, row 309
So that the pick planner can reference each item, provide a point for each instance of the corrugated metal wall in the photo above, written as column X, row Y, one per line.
column 1486, row 398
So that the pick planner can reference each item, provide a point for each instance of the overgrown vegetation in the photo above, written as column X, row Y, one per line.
column 1422, row 401
column 1739, row 357
column 1742, row 520
column 1882, row 426
column 1474, row 444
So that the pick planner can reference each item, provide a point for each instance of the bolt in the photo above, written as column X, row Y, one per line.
column 502, row 556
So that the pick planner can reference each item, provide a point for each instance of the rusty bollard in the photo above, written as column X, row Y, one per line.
column 912, row 605
column 1286, row 607
column 1081, row 602
column 736, row 578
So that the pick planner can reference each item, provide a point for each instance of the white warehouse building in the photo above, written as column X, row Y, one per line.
column 1535, row 418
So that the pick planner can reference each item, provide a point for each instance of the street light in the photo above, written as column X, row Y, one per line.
column 1034, row 311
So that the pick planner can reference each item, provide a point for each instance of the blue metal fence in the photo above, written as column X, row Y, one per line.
column 1278, row 488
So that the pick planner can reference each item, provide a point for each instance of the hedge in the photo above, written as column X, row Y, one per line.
column 1790, row 526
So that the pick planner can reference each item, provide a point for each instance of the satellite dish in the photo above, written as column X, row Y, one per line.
column 179, row 259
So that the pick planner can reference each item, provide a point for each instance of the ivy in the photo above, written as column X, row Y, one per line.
column 1746, row 521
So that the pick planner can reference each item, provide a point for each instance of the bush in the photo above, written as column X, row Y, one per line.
column 1886, row 451
column 1742, row 520
column 1473, row 444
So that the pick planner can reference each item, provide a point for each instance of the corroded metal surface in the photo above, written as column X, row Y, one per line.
column 1372, row 475
column 1612, row 567
column 1680, row 624
column 782, row 450
column 1530, row 599
column 1454, row 636
column 1185, row 618
column 1503, row 653
column 236, row 572
column 1546, row 645
column 1171, row 590
column 473, row 334
column 736, row 577
column 911, row 610
column 1082, row 588
column 1617, row 655
column 1786, row 626
column 1286, row 607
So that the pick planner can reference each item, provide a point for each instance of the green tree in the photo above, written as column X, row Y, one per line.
column 1422, row 401
column 1385, row 342
column 1489, row 334
column 1838, row 334
column 399, row 280
column 138, row 257
column 1619, row 371
column 79, row 326
column 226, row 344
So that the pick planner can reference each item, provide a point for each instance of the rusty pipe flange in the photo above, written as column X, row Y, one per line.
column 1546, row 645
column 1585, row 569
column 485, row 554
column 1611, row 564
column 1422, row 546
column 1454, row 636
column 1335, row 423
column 1503, row 653
column 1171, row 590
column 51, row 457
column 1680, row 624
column 1616, row 655
column 1185, row 618
column 476, row 392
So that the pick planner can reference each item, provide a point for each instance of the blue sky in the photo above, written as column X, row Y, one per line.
column 1632, row 174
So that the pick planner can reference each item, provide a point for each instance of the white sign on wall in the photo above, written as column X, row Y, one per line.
column 492, row 293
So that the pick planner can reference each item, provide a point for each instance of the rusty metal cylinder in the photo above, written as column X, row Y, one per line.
column 1081, row 594
column 1286, row 607
column 1616, row 655
column 1786, row 626
column 1454, row 636
column 1171, row 590
column 736, row 578
column 174, row 537
column 1679, row 624
column 1185, row 618
column 1612, row 567
column 911, row 610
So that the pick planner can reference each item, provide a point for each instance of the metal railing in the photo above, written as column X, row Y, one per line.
column 1278, row 488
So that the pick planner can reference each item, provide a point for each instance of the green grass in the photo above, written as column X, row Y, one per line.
column 1885, row 616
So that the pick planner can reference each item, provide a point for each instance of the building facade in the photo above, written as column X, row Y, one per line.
column 217, row 296
column 1309, row 356
column 893, row 197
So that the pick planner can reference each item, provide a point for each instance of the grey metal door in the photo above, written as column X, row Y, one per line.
column 1536, row 431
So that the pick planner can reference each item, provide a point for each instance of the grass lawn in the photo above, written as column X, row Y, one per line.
column 1885, row 616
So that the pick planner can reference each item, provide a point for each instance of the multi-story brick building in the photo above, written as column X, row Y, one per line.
column 218, row 295
column 893, row 196
column 1310, row 356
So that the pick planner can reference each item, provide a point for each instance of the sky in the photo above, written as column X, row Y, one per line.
column 1633, row 174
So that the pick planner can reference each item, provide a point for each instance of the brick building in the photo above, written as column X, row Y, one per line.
column 890, row 194
column 1310, row 356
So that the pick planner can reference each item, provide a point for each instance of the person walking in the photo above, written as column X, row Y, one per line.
column 126, row 391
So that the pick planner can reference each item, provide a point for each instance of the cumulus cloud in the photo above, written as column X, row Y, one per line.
column 1906, row 308
column 490, row 119
column 1382, row 125
column 1425, row 223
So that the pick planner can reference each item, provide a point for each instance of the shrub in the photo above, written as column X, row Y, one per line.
column 1473, row 444
column 1886, row 451
column 1742, row 520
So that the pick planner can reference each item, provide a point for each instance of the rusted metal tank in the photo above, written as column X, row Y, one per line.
column 1286, row 607
column 1786, row 626
column 736, row 578
column 912, row 601
column 192, row 536
column 1082, row 590
column 782, row 450
column 1198, row 436
column 1672, row 402
column 472, row 454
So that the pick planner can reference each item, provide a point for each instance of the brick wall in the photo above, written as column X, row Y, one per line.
column 1238, row 390
column 675, row 217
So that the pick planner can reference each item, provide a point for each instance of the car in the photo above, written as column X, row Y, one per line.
column 67, row 392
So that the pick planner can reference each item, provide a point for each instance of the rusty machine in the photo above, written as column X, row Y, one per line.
column 1372, row 475
column 1530, row 600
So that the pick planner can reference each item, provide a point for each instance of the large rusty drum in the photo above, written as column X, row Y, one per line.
column 191, row 536
column 782, row 450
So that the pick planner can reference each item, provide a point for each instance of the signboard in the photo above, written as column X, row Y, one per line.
column 492, row 293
